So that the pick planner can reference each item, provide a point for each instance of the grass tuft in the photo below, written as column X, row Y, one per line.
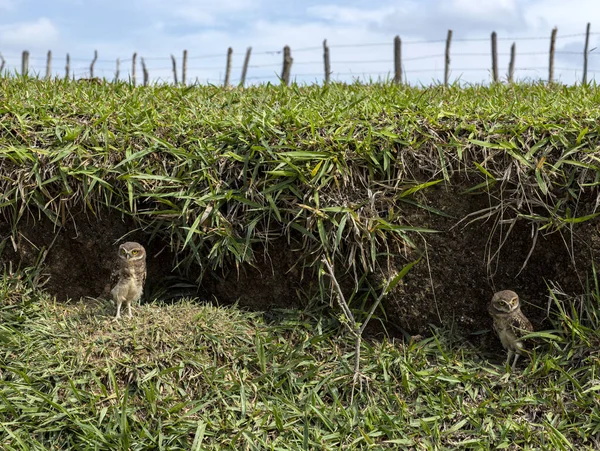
column 195, row 376
column 332, row 169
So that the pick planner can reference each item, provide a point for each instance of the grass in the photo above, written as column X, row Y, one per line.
column 195, row 376
column 332, row 169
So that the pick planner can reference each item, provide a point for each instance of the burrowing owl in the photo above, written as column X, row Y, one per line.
column 129, row 275
column 509, row 322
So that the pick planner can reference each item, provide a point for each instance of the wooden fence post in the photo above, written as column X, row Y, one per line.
column 93, row 63
column 585, row 53
column 447, row 60
column 326, row 61
column 287, row 65
column 397, row 60
column 118, row 71
column 184, row 68
column 145, row 72
column 551, row 62
column 25, row 63
column 511, row 64
column 174, row 69
column 494, row 57
column 228, row 67
column 48, row 64
column 133, row 61
column 245, row 66
column 68, row 67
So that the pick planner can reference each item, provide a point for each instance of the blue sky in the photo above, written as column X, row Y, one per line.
column 360, row 34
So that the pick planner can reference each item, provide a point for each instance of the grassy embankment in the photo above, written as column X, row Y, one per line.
column 214, row 172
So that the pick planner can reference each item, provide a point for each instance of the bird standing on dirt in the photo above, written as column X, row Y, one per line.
column 129, row 274
column 509, row 322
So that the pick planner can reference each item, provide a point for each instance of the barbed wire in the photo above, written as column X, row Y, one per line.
column 269, row 68
column 314, row 48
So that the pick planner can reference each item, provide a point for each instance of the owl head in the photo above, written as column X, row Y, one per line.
column 505, row 301
column 132, row 251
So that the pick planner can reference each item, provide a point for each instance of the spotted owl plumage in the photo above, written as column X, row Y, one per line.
column 510, row 324
column 129, row 276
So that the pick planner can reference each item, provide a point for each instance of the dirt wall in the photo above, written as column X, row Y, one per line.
column 460, row 267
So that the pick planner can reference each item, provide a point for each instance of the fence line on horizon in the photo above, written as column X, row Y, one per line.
column 282, row 70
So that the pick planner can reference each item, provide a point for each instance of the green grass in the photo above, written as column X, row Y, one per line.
column 332, row 169
column 196, row 376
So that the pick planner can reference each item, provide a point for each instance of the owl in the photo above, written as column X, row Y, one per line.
column 128, row 276
column 509, row 322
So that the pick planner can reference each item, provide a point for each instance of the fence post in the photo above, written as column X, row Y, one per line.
column 551, row 62
column 133, row 61
column 145, row 72
column 93, row 63
column 511, row 64
column 585, row 53
column 245, row 66
column 25, row 63
column 397, row 60
column 228, row 67
column 118, row 72
column 447, row 61
column 2, row 63
column 68, row 67
column 287, row 65
column 48, row 64
column 174, row 69
column 326, row 61
column 184, row 68
column 494, row 57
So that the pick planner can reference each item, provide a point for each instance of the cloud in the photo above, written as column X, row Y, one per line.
column 8, row 5
column 480, row 10
column 349, row 15
column 36, row 35
column 569, row 17
column 200, row 13
column 465, row 17
column 430, row 19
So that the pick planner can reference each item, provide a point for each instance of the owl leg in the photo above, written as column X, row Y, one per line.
column 510, row 356
column 517, row 355
column 118, row 316
column 129, row 310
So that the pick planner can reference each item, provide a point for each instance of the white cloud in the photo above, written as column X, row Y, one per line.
column 569, row 17
column 200, row 13
column 349, row 15
column 479, row 9
column 39, row 34
column 8, row 5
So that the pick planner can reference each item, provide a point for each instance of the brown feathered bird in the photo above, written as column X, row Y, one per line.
column 509, row 322
column 128, row 276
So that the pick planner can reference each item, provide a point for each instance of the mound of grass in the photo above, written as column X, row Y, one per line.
column 192, row 376
column 331, row 169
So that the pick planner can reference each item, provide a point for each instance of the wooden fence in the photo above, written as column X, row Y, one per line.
column 286, row 68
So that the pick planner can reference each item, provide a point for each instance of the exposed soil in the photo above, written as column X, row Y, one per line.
column 456, row 283
column 453, row 284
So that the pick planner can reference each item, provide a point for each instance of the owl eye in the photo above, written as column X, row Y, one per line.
column 135, row 252
column 123, row 252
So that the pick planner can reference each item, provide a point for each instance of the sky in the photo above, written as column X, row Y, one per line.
column 359, row 33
